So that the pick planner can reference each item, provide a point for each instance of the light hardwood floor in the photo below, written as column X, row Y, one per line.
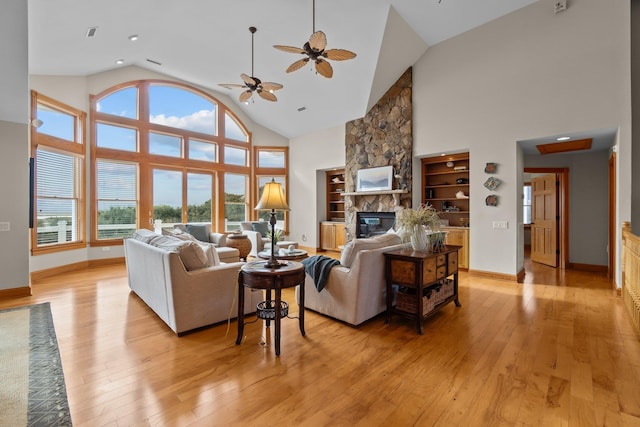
column 544, row 353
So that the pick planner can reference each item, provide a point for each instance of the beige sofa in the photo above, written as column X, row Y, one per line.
column 355, row 291
column 174, row 284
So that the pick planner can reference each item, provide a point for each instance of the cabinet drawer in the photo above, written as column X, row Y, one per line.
column 441, row 272
column 429, row 270
column 441, row 260
column 403, row 272
column 453, row 262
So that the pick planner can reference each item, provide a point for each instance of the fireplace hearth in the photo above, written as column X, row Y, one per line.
column 371, row 224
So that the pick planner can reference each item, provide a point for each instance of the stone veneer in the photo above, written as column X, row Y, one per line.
column 384, row 137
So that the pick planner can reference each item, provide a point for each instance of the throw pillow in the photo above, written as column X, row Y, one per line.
column 191, row 253
column 179, row 234
column 199, row 231
column 261, row 227
column 211, row 253
column 143, row 235
column 246, row 225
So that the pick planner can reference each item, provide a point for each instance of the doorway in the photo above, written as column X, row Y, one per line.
column 553, row 235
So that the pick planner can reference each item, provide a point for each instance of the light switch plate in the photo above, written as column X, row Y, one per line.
column 5, row 226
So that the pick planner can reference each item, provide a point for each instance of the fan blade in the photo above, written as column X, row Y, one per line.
column 297, row 65
column 339, row 54
column 244, row 96
column 230, row 85
column 270, row 86
column 324, row 68
column 318, row 41
column 289, row 49
column 248, row 80
column 267, row 95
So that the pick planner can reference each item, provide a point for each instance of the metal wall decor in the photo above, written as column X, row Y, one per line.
column 492, row 183
column 491, row 168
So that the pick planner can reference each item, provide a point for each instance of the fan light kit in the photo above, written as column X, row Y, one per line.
column 253, row 84
column 315, row 51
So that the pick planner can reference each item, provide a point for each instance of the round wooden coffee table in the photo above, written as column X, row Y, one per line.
column 241, row 243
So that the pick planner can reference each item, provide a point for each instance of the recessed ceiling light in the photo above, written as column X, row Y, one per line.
column 119, row 61
column 91, row 31
column 133, row 37
column 563, row 138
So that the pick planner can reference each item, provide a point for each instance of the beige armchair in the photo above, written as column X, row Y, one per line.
column 254, row 231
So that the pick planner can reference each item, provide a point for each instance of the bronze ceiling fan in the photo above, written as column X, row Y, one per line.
column 253, row 84
column 315, row 51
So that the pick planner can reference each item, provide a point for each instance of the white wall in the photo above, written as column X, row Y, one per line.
column 307, row 155
column 14, row 142
column 525, row 75
column 75, row 91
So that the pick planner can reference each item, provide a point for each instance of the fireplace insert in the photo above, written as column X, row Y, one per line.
column 374, row 223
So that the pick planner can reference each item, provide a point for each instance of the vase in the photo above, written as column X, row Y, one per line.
column 419, row 239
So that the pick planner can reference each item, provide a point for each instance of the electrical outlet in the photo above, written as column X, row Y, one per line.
column 5, row 226
column 106, row 248
column 559, row 6
column 304, row 237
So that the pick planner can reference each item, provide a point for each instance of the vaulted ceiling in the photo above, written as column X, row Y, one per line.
column 207, row 42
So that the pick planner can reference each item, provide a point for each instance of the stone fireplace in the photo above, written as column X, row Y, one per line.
column 383, row 137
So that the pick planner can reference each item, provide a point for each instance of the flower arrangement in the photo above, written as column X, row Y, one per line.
column 421, row 227
column 425, row 215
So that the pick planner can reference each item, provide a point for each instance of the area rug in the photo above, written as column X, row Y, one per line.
column 33, row 392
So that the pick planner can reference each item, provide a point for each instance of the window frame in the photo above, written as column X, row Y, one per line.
column 75, row 148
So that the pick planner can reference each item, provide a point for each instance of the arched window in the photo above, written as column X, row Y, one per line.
column 162, row 153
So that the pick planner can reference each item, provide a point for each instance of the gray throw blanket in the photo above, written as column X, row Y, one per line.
column 319, row 267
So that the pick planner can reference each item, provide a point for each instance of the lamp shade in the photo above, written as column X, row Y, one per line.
column 272, row 197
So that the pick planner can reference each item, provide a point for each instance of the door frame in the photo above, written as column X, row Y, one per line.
column 613, row 165
column 562, row 175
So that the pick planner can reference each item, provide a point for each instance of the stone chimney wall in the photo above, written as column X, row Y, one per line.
column 384, row 137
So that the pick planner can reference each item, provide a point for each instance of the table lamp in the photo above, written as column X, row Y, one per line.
column 272, row 199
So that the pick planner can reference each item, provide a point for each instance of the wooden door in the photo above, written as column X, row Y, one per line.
column 544, row 220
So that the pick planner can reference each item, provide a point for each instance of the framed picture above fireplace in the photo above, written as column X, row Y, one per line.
column 375, row 179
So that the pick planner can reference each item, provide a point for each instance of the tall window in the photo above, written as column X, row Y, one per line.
column 175, row 141
column 58, row 149
column 235, row 200
column 117, row 199
column 526, row 202
column 271, row 163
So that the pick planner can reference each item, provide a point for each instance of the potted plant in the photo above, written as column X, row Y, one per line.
column 421, row 227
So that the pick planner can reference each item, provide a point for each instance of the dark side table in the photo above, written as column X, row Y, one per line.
column 255, row 276
column 420, row 272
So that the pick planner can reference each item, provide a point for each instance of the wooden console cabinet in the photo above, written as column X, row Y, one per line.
column 332, row 235
column 459, row 236
column 423, row 276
